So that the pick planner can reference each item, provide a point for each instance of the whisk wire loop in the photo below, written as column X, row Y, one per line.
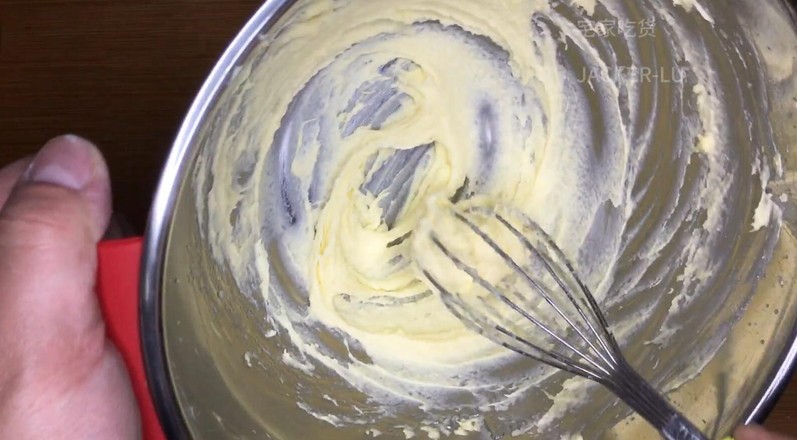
column 608, row 360
column 599, row 358
column 504, row 337
column 607, row 340
column 504, row 299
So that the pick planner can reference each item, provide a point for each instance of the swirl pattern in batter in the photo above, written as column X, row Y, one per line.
column 359, row 111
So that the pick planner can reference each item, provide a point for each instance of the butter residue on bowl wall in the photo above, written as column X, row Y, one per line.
column 357, row 112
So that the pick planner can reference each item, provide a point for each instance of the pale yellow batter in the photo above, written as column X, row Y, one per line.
column 362, row 113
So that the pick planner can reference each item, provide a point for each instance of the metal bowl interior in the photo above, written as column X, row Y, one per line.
column 215, row 374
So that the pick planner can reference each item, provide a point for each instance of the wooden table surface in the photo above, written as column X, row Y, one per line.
column 123, row 73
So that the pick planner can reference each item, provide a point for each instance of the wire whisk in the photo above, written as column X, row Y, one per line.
column 504, row 277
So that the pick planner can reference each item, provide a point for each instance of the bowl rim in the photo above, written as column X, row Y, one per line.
column 156, row 238
column 157, row 235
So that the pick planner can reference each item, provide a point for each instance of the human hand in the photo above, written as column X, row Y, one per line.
column 60, row 377
column 757, row 433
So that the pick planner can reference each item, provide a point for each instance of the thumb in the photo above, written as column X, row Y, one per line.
column 58, row 373
column 49, row 228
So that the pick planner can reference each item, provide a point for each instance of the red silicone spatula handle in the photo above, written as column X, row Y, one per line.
column 117, row 289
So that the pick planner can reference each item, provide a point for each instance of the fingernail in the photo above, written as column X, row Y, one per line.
column 65, row 161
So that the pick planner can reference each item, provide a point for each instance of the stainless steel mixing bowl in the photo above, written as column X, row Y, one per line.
column 214, row 374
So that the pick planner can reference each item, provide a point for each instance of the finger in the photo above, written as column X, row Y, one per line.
column 9, row 176
column 49, row 228
column 754, row 432
column 73, row 163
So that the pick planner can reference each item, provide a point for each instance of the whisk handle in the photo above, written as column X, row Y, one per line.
column 679, row 428
column 647, row 402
